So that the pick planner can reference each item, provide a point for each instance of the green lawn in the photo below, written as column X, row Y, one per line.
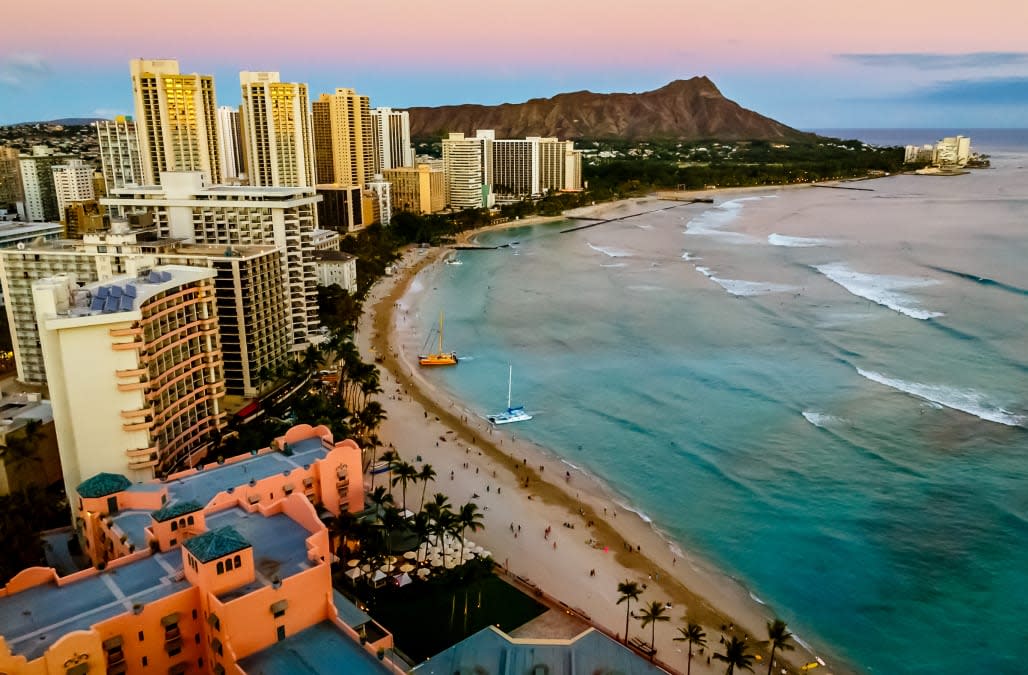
column 426, row 618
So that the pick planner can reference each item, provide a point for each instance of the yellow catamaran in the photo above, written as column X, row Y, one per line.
column 440, row 358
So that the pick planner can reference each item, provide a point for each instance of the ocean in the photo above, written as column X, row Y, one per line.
column 821, row 392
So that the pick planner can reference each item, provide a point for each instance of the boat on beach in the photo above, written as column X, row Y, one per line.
column 511, row 414
column 439, row 357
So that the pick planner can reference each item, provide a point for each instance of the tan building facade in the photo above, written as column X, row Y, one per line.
column 420, row 189
column 343, row 138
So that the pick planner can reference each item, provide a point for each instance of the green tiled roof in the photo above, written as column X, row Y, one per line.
column 216, row 544
column 103, row 484
column 175, row 510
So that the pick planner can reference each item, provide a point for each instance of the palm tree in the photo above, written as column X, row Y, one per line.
column 438, row 511
column 421, row 529
column 22, row 450
column 736, row 656
column 629, row 591
column 656, row 612
column 469, row 518
column 426, row 474
column 778, row 637
column 694, row 635
column 381, row 498
column 390, row 458
column 404, row 473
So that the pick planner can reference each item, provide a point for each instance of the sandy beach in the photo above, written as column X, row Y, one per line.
column 593, row 543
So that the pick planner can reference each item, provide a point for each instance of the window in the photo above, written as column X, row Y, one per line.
column 141, row 639
column 228, row 564
column 194, row 614
column 221, row 567
column 190, row 520
column 239, row 561
column 174, row 526
column 144, row 661
column 281, row 633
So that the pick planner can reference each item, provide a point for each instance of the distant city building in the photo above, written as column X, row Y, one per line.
column 83, row 217
column 560, row 166
column 226, row 215
column 14, row 233
column 176, row 120
column 468, row 163
column 381, row 200
column 515, row 169
column 277, row 134
column 325, row 240
column 420, row 189
column 37, row 179
column 24, row 415
column 254, row 327
column 391, row 135
column 120, row 160
column 73, row 182
column 11, row 193
column 336, row 267
column 950, row 152
column 135, row 371
column 230, row 143
column 341, row 208
column 222, row 570
column 343, row 138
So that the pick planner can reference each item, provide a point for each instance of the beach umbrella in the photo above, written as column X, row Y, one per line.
column 392, row 559
column 352, row 574
column 469, row 544
column 353, row 563
column 478, row 550
column 406, row 567
column 468, row 554
column 366, row 568
column 424, row 572
column 486, row 554
column 386, row 568
column 410, row 555
column 437, row 562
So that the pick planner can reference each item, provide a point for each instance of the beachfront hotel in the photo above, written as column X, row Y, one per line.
column 420, row 189
column 343, row 138
column 249, row 286
column 135, row 370
column 73, row 182
column 390, row 130
column 186, row 208
column 219, row 569
column 176, row 120
column 468, row 166
column 120, row 160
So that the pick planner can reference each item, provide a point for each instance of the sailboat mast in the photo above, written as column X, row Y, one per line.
column 440, row 333
column 510, row 376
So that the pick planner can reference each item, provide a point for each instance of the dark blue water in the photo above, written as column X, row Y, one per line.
column 822, row 392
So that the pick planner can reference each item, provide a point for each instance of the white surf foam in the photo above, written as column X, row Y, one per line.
column 757, row 599
column 965, row 400
column 610, row 252
column 743, row 288
column 645, row 288
column 705, row 271
column 614, row 265
column 881, row 289
column 710, row 222
column 820, row 420
column 645, row 518
column 689, row 257
column 776, row 239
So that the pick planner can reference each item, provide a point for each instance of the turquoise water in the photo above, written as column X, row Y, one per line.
column 821, row 392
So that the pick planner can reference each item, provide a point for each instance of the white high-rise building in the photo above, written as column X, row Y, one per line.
column 120, row 160
column 560, row 166
column 468, row 164
column 381, row 194
column 230, row 141
column 277, row 136
column 136, row 375
column 516, row 169
column 176, row 120
column 73, row 182
column 184, row 208
column 391, row 133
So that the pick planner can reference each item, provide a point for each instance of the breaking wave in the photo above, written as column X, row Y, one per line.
column 881, row 289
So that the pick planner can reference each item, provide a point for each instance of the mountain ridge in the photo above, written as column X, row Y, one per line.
column 687, row 110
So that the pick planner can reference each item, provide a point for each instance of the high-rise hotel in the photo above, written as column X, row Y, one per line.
column 343, row 138
column 277, row 136
column 176, row 119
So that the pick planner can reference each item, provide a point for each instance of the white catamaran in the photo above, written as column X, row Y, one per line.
column 517, row 414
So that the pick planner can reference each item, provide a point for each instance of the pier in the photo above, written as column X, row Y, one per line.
column 841, row 187
column 631, row 215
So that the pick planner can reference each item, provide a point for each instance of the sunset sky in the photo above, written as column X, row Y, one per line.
column 872, row 63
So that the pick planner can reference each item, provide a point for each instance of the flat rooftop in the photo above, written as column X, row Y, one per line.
column 202, row 486
column 32, row 620
column 322, row 648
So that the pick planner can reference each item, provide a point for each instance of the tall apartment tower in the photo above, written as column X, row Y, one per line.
column 11, row 194
column 343, row 139
column 277, row 135
column 37, row 179
column 230, row 143
column 73, row 182
column 516, row 169
column 135, row 370
column 391, row 134
column 176, row 117
column 468, row 165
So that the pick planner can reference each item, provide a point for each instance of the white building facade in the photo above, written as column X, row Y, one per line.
column 73, row 182
column 391, row 132
column 277, row 136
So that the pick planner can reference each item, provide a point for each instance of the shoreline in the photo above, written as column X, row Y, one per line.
column 629, row 547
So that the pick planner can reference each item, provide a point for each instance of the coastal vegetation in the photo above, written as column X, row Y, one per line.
column 692, row 634
column 737, row 655
column 628, row 591
column 778, row 638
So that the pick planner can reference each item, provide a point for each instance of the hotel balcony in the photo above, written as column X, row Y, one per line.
column 131, row 372
column 127, row 346
column 131, row 386
column 135, row 414
column 137, row 426
column 125, row 332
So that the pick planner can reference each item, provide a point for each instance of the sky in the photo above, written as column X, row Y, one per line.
column 811, row 65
